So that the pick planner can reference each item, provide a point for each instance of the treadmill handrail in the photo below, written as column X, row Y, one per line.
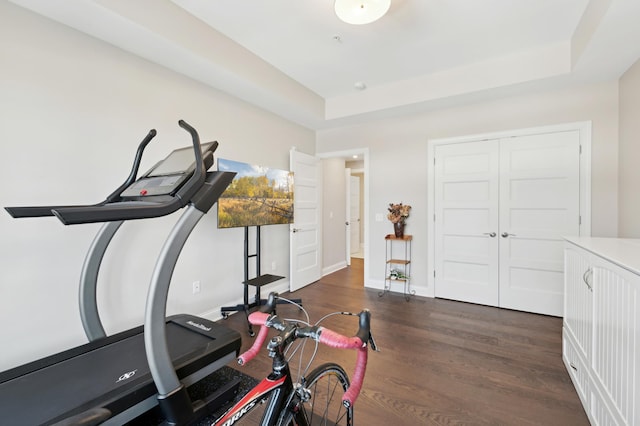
column 195, row 182
column 36, row 211
column 134, row 169
column 117, row 211
column 113, row 210
column 43, row 211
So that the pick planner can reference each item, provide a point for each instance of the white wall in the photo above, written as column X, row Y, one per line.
column 72, row 111
column 630, row 152
column 398, row 155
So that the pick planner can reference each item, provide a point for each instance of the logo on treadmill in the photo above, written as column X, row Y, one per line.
column 200, row 326
column 126, row 376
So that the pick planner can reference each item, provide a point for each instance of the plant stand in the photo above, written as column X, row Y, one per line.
column 398, row 268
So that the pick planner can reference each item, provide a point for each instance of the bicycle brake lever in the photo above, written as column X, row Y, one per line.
column 372, row 343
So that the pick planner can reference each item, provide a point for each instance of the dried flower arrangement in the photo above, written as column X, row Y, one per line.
column 398, row 213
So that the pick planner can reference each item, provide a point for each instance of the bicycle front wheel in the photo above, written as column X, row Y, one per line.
column 326, row 385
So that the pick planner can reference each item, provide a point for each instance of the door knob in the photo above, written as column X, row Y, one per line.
column 506, row 234
column 296, row 230
column 491, row 234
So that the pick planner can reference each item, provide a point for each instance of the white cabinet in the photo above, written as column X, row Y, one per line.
column 601, row 328
column 578, row 324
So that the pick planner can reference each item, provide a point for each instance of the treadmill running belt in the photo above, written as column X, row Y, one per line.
column 115, row 372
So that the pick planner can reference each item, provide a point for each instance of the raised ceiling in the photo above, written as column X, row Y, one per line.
column 298, row 60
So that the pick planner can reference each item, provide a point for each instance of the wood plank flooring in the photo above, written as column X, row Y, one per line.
column 442, row 362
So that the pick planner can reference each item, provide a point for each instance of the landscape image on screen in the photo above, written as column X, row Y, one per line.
column 256, row 196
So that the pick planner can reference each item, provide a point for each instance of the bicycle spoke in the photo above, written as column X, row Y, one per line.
column 325, row 407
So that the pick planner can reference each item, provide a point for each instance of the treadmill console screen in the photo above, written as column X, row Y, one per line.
column 167, row 176
column 179, row 161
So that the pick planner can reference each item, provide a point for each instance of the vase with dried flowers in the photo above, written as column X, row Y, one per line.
column 398, row 213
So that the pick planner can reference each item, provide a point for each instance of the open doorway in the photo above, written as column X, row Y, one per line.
column 345, row 236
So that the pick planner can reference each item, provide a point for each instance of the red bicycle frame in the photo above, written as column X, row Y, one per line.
column 277, row 387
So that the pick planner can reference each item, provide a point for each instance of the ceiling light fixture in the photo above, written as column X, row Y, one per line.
column 358, row 12
column 360, row 85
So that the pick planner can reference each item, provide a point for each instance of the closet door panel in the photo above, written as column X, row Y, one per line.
column 539, row 203
column 466, row 191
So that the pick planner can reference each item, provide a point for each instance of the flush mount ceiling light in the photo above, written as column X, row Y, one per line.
column 360, row 85
column 358, row 12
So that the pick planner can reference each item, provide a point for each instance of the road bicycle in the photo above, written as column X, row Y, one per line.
column 314, row 399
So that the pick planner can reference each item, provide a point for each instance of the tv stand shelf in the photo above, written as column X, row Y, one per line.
column 263, row 280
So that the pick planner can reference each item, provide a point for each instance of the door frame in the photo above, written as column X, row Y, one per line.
column 584, row 127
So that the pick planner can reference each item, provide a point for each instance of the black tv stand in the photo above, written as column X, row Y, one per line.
column 258, row 281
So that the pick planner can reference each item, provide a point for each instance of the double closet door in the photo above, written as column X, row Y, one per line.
column 501, row 209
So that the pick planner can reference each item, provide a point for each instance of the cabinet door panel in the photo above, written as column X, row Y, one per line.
column 578, row 306
column 616, row 356
column 601, row 413
column 577, row 369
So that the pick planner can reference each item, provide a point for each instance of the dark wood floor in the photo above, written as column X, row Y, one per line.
column 443, row 362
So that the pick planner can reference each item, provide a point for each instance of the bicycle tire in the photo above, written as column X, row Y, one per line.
column 327, row 384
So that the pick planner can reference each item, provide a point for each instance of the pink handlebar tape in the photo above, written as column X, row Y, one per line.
column 256, row 318
column 337, row 340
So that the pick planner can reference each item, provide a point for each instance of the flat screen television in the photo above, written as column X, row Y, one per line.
column 257, row 196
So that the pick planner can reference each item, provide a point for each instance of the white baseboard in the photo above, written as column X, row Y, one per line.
column 333, row 268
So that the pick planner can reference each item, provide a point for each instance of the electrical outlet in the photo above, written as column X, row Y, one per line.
column 196, row 287
column 273, row 265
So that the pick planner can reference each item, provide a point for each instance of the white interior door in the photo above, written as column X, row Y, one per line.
column 466, row 222
column 539, row 203
column 354, row 213
column 501, row 209
column 305, row 236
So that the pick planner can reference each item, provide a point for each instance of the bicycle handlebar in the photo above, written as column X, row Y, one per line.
column 324, row 336
column 337, row 340
column 256, row 318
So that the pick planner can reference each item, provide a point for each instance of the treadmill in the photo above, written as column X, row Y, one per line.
column 114, row 379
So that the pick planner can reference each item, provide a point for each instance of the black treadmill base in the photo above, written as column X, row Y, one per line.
column 111, row 373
